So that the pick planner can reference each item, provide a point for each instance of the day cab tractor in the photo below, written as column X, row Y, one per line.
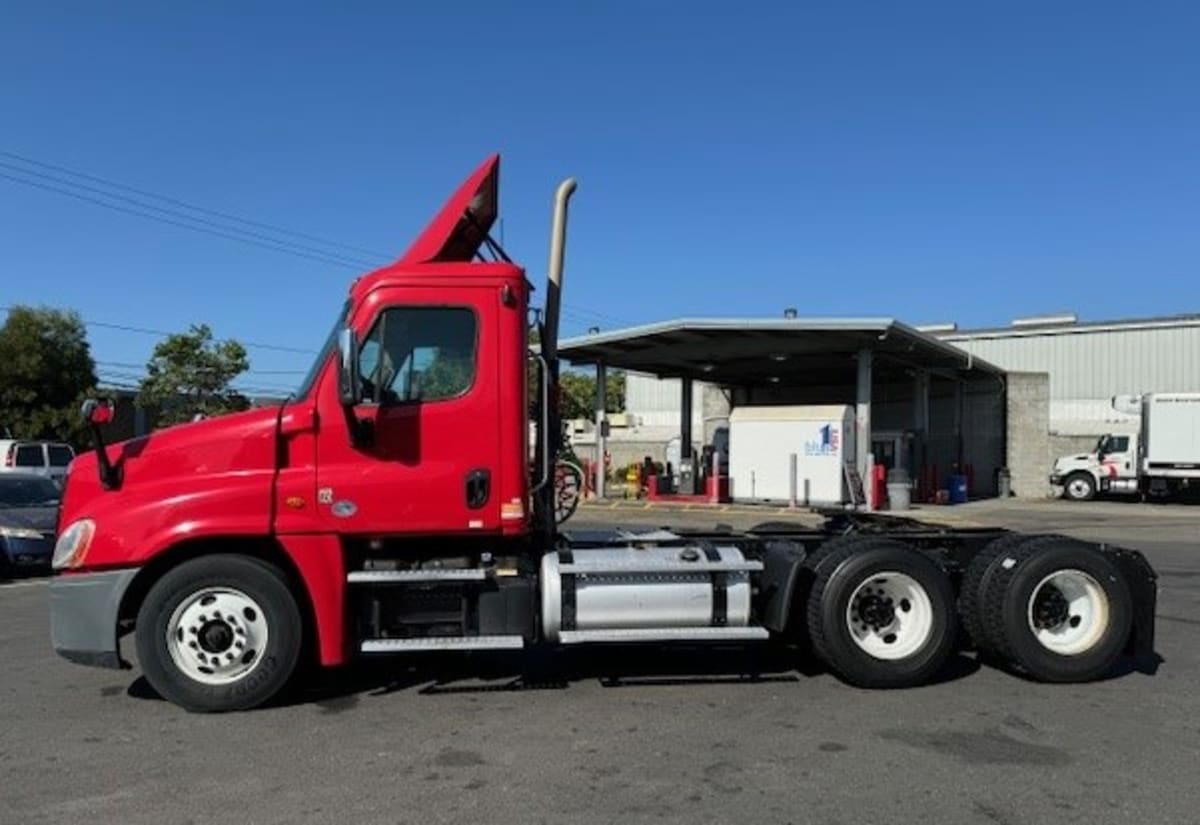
column 390, row 507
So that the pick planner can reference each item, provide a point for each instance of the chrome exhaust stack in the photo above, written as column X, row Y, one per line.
column 558, row 248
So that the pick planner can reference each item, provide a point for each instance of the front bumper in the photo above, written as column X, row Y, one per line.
column 28, row 553
column 1056, row 479
column 83, row 616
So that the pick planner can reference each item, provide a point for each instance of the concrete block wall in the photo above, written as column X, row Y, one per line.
column 1029, row 452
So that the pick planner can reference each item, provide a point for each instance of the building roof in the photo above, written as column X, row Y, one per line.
column 1071, row 327
column 742, row 351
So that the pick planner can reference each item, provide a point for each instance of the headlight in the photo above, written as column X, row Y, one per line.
column 72, row 544
column 20, row 532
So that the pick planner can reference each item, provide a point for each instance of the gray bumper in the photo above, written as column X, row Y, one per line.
column 83, row 616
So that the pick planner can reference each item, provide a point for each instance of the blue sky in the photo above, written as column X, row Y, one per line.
column 928, row 161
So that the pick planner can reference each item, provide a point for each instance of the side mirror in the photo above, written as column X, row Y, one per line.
column 349, row 385
column 97, row 411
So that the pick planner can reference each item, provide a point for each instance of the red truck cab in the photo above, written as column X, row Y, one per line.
column 433, row 447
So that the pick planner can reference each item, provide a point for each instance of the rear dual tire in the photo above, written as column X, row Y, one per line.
column 880, row 614
column 1048, row 606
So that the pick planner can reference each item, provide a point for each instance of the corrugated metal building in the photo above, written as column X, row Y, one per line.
column 1089, row 363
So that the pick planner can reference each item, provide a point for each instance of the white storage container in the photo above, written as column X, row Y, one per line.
column 763, row 440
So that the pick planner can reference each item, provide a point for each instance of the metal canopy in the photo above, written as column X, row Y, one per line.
column 750, row 351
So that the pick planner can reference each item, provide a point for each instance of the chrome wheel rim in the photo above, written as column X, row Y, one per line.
column 1068, row 612
column 217, row 635
column 890, row 615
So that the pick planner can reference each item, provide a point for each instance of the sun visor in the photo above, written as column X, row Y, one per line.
column 458, row 230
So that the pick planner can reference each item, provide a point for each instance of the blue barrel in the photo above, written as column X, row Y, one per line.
column 958, row 489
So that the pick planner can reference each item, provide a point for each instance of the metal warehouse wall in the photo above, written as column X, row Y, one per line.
column 655, row 401
column 1097, row 362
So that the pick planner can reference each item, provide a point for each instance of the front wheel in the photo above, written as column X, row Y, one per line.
column 1079, row 487
column 219, row 633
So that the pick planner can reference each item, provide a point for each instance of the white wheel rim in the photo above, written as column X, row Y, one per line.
column 1068, row 612
column 1078, row 488
column 890, row 615
column 217, row 635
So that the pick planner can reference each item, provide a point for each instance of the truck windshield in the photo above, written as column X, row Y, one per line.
column 322, row 356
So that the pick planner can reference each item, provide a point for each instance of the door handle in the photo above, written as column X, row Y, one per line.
column 479, row 484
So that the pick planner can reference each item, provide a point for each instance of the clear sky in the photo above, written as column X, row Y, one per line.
column 928, row 161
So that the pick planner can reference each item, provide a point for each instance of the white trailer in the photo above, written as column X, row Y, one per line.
column 1161, row 457
column 790, row 452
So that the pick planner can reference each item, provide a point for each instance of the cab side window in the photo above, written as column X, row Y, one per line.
column 419, row 354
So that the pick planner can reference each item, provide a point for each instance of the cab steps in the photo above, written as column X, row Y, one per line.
column 428, row 643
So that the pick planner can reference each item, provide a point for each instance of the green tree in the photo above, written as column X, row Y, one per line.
column 190, row 373
column 579, row 393
column 46, row 371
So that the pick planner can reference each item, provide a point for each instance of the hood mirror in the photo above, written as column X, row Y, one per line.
column 96, row 413
column 349, row 384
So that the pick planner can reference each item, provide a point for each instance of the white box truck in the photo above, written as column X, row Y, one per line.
column 765, row 441
column 1161, row 457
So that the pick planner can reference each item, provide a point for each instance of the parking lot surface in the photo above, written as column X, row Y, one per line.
column 684, row 736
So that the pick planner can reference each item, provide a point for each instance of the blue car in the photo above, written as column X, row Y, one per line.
column 28, row 513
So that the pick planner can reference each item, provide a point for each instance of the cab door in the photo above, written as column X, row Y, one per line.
column 420, row 454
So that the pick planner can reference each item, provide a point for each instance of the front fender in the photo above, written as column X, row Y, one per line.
column 135, row 524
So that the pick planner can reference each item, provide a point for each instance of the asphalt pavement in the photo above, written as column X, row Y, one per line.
column 677, row 736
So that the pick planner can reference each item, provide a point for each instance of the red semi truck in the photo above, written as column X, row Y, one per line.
column 389, row 506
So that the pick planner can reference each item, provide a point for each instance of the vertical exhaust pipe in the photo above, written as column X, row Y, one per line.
column 550, row 433
column 558, row 249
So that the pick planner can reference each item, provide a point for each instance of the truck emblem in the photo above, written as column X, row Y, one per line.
column 344, row 508
column 325, row 495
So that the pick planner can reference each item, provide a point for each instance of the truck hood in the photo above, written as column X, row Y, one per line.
column 1076, row 461
column 458, row 230
column 168, row 462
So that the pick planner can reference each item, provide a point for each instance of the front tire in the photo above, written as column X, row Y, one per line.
column 881, row 616
column 219, row 633
column 1079, row 487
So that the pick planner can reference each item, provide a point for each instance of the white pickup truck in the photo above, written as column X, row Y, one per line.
column 1161, row 457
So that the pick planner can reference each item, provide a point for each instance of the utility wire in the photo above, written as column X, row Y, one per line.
column 164, row 334
column 186, row 217
column 181, row 224
column 196, row 224
column 193, row 207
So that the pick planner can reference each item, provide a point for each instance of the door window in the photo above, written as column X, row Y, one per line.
column 30, row 455
column 1115, row 444
column 60, row 455
column 419, row 354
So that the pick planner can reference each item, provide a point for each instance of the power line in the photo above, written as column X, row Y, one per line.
column 177, row 202
column 186, row 217
column 185, row 221
column 128, row 364
column 118, row 208
column 159, row 333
